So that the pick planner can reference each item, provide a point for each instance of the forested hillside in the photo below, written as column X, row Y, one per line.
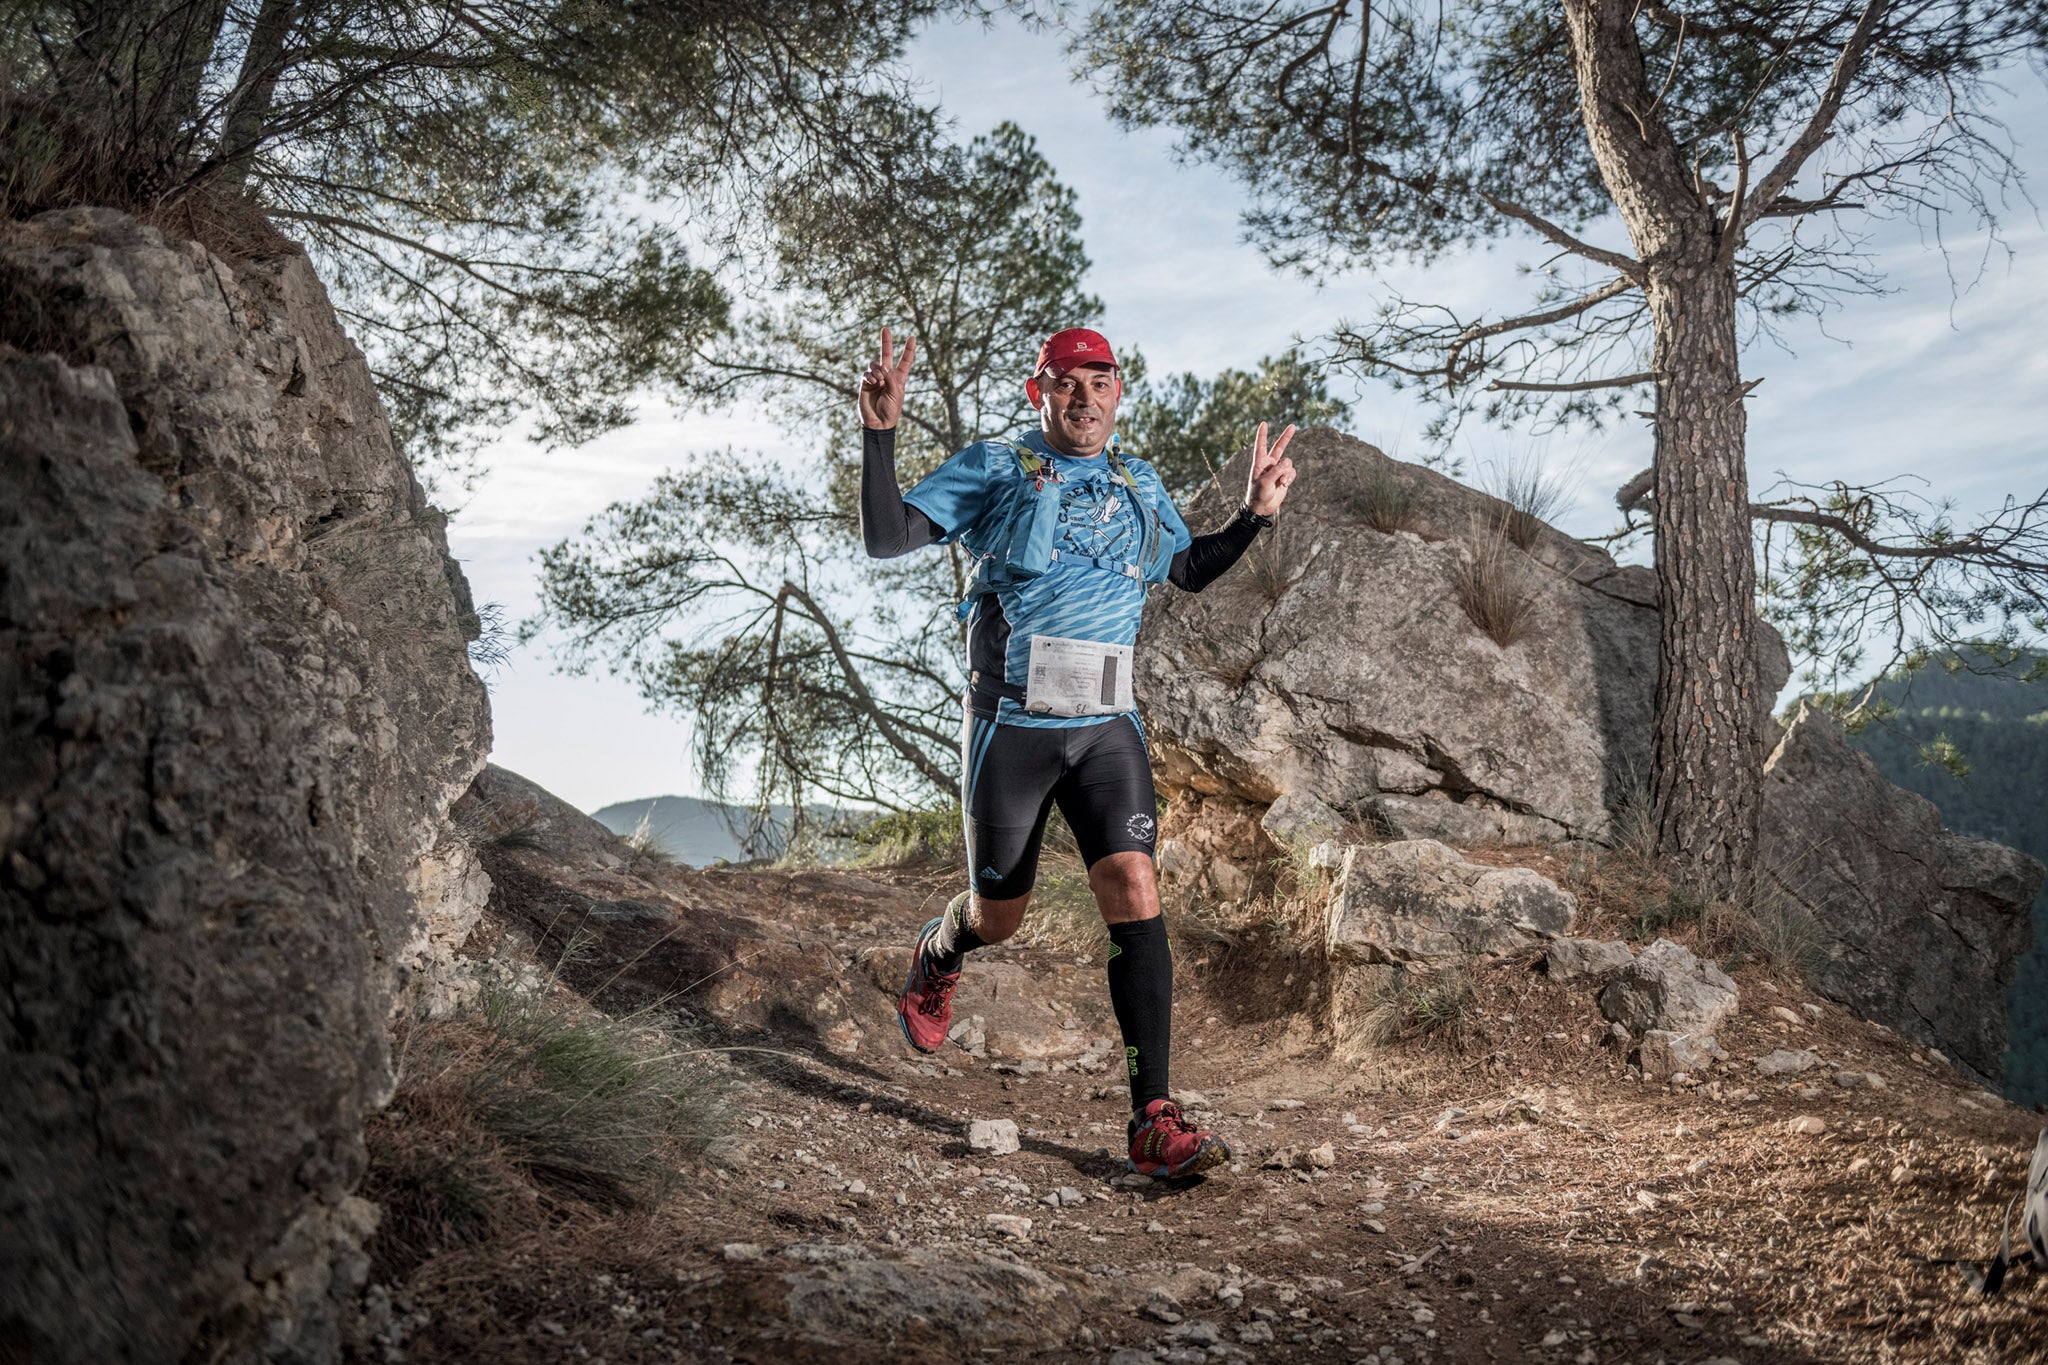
column 1999, row 727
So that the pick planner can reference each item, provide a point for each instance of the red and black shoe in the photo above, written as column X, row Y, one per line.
column 925, row 1009
column 1164, row 1145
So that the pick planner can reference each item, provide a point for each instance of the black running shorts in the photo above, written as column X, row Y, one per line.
column 1101, row 776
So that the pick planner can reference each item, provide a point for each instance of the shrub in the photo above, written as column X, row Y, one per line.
column 1491, row 585
column 912, row 836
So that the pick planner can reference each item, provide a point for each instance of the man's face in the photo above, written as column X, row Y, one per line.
column 1078, row 410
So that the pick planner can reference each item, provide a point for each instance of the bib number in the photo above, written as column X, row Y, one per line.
column 1077, row 678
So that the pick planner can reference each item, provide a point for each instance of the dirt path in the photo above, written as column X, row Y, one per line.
column 1507, row 1195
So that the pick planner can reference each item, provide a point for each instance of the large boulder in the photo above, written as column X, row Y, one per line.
column 1401, row 914
column 1418, row 903
column 1670, row 989
column 1336, row 663
column 1918, row 927
column 239, row 705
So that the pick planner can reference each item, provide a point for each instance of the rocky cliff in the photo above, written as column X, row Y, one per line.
column 239, row 707
column 1341, row 679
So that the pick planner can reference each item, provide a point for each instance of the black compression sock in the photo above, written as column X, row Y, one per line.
column 955, row 939
column 1141, row 993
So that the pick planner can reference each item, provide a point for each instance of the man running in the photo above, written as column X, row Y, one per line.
column 1066, row 532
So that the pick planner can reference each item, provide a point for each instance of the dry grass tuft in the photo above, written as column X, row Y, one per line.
column 1491, row 585
column 1531, row 494
column 1421, row 1005
column 519, row 1104
column 1388, row 500
column 645, row 843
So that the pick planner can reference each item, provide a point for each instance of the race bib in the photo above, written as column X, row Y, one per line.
column 1077, row 678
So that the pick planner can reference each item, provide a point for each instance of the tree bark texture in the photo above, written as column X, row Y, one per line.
column 1707, row 773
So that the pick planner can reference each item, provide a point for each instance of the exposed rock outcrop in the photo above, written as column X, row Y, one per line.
column 1918, row 926
column 234, row 651
column 1418, row 909
column 1337, row 664
column 1335, row 681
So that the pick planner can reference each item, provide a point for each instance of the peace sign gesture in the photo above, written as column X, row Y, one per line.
column 881, row 385
column 1272, row 473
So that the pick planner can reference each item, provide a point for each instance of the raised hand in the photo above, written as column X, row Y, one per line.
column 1272, row 473
column 882, row 384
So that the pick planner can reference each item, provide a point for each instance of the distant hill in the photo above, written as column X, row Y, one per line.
column 695, row 831
column 2001, row 727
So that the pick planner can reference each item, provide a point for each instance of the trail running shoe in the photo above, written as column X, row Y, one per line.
column 925, row 1008
column 1163, row 1143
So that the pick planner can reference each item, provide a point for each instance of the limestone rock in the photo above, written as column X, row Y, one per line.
column 969, row 1301
column 1665, row 1054
column 994, row 1137
column 240, row 705
column 1786, row 1062
column 1365, row 678
column 1668, row 988
column 1418, row 903
column 1919, row 926
column 1300, row 817
column 1572, row 961
column 1407, row 817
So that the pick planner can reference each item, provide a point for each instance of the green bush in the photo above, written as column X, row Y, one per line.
column 916, row 836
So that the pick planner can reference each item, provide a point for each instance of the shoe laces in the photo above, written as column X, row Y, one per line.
column 1167, row 1120
column 937, row 991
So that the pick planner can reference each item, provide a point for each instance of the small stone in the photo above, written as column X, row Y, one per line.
column 1785, row 1061
column 1256, row 1334
column 1069, row 1196
column 1155, row 1226
column 743, row 1251
column 1283, row 1104
column 1009, row 1224
column 1374, row 1226
column 1161, row 1307
column 1859, row 1080
column 996, row 1137
column 1196, row 1333
column 1320, row 1158
column 856, row 1187
column 1781, row 1013
column 1806, row 1125
column 1810, row 1010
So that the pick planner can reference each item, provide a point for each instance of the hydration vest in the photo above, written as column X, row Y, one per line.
column 1024, row 526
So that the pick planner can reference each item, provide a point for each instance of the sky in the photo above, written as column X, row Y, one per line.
column 1923, row 380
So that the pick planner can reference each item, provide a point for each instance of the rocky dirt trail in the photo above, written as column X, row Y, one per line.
column 1507, row 1193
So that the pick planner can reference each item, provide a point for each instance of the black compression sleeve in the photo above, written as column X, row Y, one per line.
column 889, row 526
column 1206, row 557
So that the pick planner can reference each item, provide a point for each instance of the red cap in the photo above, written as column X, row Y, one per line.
column 1070, row 350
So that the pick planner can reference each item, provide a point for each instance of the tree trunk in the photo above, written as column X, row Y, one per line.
column 1707, row 765
column 255, row 86
column 1707, row 773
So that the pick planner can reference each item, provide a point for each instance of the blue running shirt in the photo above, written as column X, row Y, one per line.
column 1098, row 520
